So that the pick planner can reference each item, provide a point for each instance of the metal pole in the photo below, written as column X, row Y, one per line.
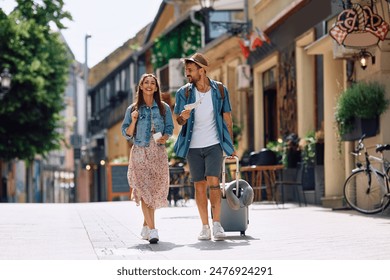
column 76, row 135
column 87, row 36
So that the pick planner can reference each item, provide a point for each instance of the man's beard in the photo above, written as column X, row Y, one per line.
column 191, row 80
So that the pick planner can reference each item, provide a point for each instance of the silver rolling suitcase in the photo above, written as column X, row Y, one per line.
column 231, row 219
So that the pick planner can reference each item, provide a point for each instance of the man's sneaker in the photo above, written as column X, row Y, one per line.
column 205, row 234
column 145, row 232
column 153, row 237
column 218, row 232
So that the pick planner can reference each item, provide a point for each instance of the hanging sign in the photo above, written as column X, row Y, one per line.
column 359, row 27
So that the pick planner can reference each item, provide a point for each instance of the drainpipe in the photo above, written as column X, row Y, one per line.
column 246, row 17
column 176, row 7
column 202, row 28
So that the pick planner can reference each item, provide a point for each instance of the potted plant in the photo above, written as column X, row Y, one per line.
column 312, row 147
column 308, row 149
column 287, row 150
column 277, row 148
column 359, row 105
column 292, row 152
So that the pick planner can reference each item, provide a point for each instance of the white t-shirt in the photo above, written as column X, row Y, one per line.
column 204, row 132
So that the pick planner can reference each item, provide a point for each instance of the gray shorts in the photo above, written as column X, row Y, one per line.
column 205, row 162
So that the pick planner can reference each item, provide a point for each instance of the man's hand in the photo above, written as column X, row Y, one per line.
column 183, row 117
column 185, row 114
column 234, row 154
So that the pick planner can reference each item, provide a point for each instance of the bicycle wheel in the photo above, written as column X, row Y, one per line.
column 366, row 197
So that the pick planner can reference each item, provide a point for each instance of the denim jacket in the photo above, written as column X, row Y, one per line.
column 220, row 106
column 144, row 123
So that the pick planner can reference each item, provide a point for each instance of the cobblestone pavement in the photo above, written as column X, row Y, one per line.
column 110, row 230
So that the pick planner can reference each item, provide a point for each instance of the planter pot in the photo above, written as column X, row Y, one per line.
column 320, row 148
column 293, row 157
column 320, row 184
column 308, row 178
column 370, row 127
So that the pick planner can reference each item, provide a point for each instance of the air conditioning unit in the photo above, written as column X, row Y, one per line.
column 171, row 75
column 176, row 74
column 163, row 76
column 243, row 76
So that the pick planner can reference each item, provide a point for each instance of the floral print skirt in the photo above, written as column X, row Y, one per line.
column 148, row 174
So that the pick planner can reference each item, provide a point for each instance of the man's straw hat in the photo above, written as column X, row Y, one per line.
column 197, row 58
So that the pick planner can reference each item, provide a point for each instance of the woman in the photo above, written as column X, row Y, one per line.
column 148, row 124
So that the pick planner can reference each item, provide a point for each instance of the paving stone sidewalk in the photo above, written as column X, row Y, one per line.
column 110, row 230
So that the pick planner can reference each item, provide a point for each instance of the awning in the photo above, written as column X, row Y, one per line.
column 321, row 46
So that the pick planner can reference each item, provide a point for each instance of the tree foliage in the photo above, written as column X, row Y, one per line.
column 37, row 58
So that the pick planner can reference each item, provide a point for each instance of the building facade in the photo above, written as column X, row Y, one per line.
column 178, row 30
column 284, row 75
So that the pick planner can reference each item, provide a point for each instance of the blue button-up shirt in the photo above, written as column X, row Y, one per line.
column 163, row 124
column 220, row 106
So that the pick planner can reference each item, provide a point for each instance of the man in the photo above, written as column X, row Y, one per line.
column 203, row 109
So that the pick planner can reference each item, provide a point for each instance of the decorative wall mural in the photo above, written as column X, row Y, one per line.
column 287, row 92
column 359, row 27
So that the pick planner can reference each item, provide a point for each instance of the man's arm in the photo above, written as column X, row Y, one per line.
column 227, row 117
column 179, row 113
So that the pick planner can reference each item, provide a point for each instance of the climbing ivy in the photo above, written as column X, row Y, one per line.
column 182, row 41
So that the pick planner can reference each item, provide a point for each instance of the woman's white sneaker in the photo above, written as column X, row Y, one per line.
column 218, row 231
column 145, row 232
column 205, row 234
column 153, row 237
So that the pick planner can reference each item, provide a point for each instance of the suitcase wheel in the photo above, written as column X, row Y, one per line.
column 242, row 233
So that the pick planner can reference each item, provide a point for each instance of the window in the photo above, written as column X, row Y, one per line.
column 108, row 90
column 218, row 20
column 123, row 80
column 269, row 78
column 117, row 86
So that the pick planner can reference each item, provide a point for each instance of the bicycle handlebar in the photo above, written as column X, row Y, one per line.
column 360, row 145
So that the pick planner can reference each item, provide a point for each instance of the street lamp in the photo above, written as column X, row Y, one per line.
column 5, row 80
column 232, row 27
column 206, row 4
column 206, row 7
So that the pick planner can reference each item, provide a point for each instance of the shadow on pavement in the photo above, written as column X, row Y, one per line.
column 272, row 206
column 161, row 246
column 348, row 211
column 181, row 218
column 229, row 243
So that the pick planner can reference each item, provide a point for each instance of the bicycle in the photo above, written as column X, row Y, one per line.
column 367, row 189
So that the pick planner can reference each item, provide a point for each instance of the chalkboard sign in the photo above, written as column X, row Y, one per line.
column 117, row 181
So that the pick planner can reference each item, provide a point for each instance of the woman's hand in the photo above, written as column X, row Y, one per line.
column 134, row 115
column 162, row 140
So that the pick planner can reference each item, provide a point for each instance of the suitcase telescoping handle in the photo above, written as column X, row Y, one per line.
column 224, row 174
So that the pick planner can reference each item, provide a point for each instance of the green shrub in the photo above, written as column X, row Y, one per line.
column 361, row 100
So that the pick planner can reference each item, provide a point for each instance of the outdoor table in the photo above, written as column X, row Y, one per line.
column 255, row 174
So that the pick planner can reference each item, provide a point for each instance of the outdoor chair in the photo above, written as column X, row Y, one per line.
column 176, row 183
column 291, row 178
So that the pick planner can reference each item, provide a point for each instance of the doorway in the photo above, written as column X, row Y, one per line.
column 270, row 115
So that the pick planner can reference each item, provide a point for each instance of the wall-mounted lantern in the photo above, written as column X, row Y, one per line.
column 364, row 57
